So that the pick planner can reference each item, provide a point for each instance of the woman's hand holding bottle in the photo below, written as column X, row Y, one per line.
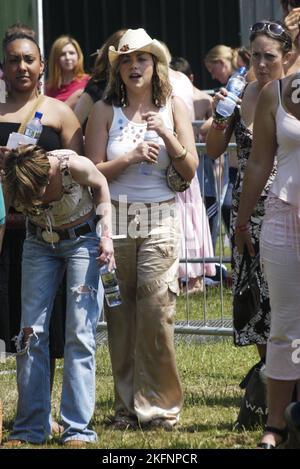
column 145, row 151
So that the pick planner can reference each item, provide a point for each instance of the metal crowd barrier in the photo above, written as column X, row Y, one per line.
column 199, row 319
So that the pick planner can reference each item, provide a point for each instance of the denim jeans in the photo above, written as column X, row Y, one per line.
column 43, row 266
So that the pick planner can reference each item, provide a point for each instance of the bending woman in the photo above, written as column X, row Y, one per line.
column 52, row 190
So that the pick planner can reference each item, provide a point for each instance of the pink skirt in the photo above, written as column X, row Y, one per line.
column 195, row 233
column 280, row 257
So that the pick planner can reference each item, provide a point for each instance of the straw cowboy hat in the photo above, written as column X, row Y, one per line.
column 137, row 40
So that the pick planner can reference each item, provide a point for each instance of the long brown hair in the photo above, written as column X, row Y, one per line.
column 115, row 92
column 101, row 67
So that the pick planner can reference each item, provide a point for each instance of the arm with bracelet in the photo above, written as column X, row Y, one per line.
column 220, row 132
column 180, row 145
column 260, row 165
column 86, row 173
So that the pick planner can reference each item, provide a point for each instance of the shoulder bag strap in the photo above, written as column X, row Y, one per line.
column 31, row 113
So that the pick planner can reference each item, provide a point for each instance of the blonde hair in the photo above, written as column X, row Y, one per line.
column 167, row 51
column 26, row 172
column 115, row 92
column 222, row 52
column 55, row 76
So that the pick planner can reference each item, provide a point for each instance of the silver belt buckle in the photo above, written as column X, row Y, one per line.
column 50, row 237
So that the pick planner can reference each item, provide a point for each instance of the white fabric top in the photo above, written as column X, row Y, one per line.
column 124, row 136
column 182, row 88
column 286, row 185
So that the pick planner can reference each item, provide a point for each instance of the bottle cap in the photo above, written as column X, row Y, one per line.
column 39, row 115
column 242, row 71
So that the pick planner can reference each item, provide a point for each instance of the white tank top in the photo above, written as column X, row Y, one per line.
column 286, row 185
column 124, row 136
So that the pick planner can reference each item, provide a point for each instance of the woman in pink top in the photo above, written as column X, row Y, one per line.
column 277, row 132
column 67, row 78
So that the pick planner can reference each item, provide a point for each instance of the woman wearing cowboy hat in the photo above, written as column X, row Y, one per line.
column 140, row 331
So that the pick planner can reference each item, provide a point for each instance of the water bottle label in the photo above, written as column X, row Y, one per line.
column 113, row 299
column 32, row 133
column 145, row 168
column 235, row 86
column 111, row 287
column 109, row 280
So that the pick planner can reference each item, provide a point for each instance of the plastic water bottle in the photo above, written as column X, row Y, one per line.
column 111, row 287
column 145, row 167
column 235, row 87
column 34, row 127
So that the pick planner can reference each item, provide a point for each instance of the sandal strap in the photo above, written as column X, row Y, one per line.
column 283, row 432
column 265, row 446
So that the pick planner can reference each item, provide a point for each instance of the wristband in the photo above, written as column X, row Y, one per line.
column 244, row 227
column 218, row 125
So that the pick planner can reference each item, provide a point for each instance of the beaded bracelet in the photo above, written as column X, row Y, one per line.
column 218, row 118
column 218, row 125
column 242, row 228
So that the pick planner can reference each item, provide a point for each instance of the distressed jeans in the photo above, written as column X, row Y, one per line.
column 43, row 266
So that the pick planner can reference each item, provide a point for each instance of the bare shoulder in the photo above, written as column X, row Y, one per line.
column 79, row 162
column 56, row 110
column 269, row 93
column 53, row 103
column 268, row 100
column 101, row 108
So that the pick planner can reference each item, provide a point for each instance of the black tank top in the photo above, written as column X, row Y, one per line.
column 49, row 139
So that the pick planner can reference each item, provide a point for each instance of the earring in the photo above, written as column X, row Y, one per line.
column 2, row 91
column 123, row 94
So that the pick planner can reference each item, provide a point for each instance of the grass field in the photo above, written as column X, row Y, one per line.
column 210, row 369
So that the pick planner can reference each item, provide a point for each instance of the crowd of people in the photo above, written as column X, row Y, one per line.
column 75, row 204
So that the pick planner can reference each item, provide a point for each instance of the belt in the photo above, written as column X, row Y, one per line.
column 60, row 235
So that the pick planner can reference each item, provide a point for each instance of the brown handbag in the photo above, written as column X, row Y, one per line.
column 174, row 179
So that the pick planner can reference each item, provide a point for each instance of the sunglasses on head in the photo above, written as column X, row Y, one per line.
column 273, row 28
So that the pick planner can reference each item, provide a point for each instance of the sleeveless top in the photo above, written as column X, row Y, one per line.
column 286, row 185
column 65, row 91
column 124, row 136
column 49, row 139
column 75, row 202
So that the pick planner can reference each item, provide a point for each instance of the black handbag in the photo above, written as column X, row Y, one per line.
column 246, row 300
column 253, row 410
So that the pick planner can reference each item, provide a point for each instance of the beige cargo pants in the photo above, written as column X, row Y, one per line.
column 141, row 330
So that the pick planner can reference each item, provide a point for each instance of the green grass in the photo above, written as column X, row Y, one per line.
column 210, row 370
column 210, row 374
